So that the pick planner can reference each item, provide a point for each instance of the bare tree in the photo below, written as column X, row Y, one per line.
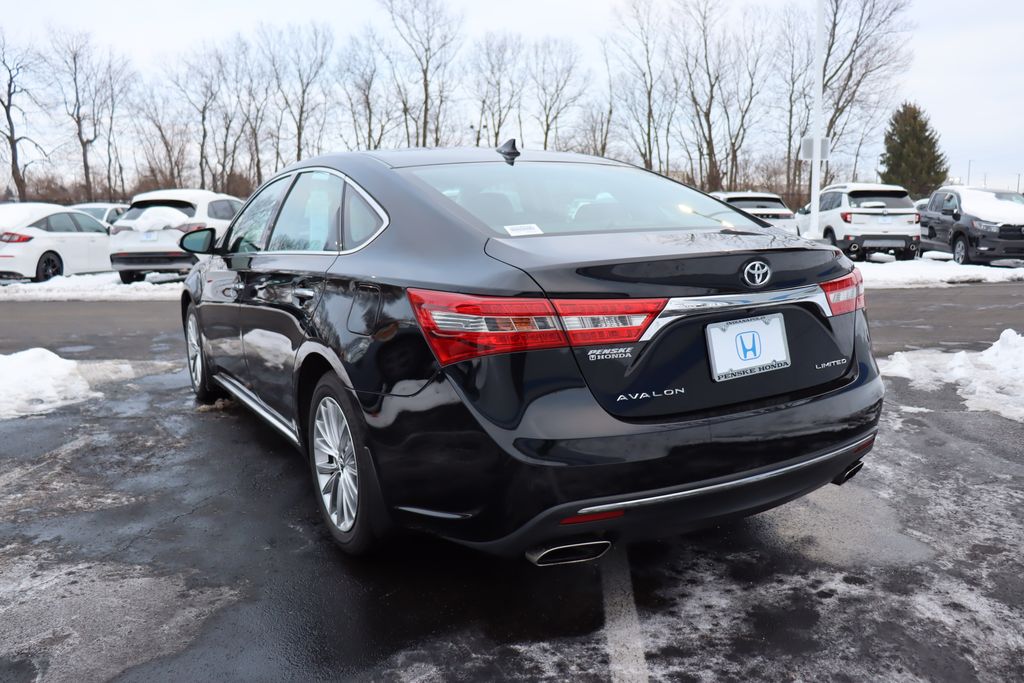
column 164, row 137
column 594, row 124
column 496, row 68
column 793, row 67
column 298, row 58
column 647, row 87
column 198, row 82
column 78, row 73
column 118, row 80
column 17, row 70
column 372, row 107
column 256, row 89
column 429, row 35
column 556, row 82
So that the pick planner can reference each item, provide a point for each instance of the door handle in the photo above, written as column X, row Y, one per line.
column 303, row 293
column 238, row 286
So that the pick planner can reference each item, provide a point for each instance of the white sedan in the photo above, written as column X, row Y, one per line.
column 41, row 241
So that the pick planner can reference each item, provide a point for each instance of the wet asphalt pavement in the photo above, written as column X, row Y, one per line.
column 145, row 538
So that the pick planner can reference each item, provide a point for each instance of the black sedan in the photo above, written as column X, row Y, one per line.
column 537, row 353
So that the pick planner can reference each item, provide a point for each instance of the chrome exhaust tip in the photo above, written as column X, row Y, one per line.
column 568, row 554
column 849, row 473
column 854, row 247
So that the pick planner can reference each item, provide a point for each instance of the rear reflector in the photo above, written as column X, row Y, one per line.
column 14, row 238
column 845, row 294
column 461, row 326
column 593, row 517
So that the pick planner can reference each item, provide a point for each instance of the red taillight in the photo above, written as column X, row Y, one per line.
column 461, row 326
column 847, row 216
column 616, row 321
column 845, row 294
column 14, row 238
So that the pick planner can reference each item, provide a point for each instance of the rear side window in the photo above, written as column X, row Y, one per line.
column 533, row 198
column 248, row 229
column 309, row 216
column 950, row 202
column 88, row 224
column 885, row 199
column 935, row 203
column 94, row 211
column 829, row 201
column 361, row 220
column 757, row 203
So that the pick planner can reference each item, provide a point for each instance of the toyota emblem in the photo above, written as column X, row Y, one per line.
column 756, row 273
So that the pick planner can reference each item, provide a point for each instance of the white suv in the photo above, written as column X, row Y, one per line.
column 145, row 238
column 861, row 218
column 764, row 205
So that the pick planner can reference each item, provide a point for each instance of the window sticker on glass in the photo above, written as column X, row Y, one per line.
column 524, row 229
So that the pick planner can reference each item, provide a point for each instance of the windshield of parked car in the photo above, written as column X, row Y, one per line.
column 757, row 203
column 137, row 208
column 881, row 199
column 93, row 211
column 534, row 198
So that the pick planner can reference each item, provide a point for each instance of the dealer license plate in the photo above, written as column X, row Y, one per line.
column 740, row 348
column 149, row 236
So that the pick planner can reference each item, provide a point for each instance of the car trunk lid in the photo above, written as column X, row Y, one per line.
column 669, row 371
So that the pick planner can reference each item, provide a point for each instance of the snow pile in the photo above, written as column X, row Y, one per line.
column 992, row 379
column 38, row 381
column 927, row 272
column 100, row 287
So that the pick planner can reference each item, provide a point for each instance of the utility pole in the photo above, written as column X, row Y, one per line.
column 969, row 162
column 1018, row 183
column 816, row 131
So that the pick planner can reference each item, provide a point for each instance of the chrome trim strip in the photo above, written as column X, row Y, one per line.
column 432, row 513
column 536, row 556
column 725, row 485
column 236, row 389
column 681, row 307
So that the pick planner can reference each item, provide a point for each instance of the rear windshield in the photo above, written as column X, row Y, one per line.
column 757, row 203
column 533, row 198
column 138, row 207
column 891, row 199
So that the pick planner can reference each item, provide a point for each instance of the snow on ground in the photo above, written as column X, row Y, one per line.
column 99, row 287
column 992, row 379
column 38, row 380
column 929, row 271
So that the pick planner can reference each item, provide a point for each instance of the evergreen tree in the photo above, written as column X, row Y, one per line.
column 912, row 157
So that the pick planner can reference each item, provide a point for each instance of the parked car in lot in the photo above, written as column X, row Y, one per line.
column 41, row 241
column 539, row 357
column 103, row 212
column 861, row 218
column 974, row 224
column 146, row 242
column 765, row 205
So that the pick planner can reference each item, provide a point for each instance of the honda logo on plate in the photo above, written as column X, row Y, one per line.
column 756, row 273
column 748, row 345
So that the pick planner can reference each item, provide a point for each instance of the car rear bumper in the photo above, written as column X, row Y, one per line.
column 154, row 261
column 878, row 242
column 664, row 512
column 18, row 266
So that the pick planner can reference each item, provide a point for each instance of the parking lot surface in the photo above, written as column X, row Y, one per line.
column 144, row 537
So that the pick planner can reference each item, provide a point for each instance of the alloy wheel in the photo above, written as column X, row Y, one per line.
column 334, row 456
column 195, row 355
column 960, row 251
column 51, row 266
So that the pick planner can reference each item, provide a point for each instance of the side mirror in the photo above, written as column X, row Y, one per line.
column 199, row 241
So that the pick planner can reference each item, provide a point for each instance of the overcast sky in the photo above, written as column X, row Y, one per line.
column 968, row 69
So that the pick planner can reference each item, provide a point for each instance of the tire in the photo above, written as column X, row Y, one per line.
column 830, row 236
column 50, row 265
column 130, row 276
column 907, row 254
column 198, row 367
column 961, row 251
column 358, row 525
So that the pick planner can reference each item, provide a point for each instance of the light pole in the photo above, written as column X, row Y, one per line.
column 816, row 132
column 969, row 162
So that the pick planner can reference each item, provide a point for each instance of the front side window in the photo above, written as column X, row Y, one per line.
column 309, row 216
column 361, row 220
column 89, row 224
column 247, row 232
column 61, row 222
column 534, row 198
column 949, row 203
